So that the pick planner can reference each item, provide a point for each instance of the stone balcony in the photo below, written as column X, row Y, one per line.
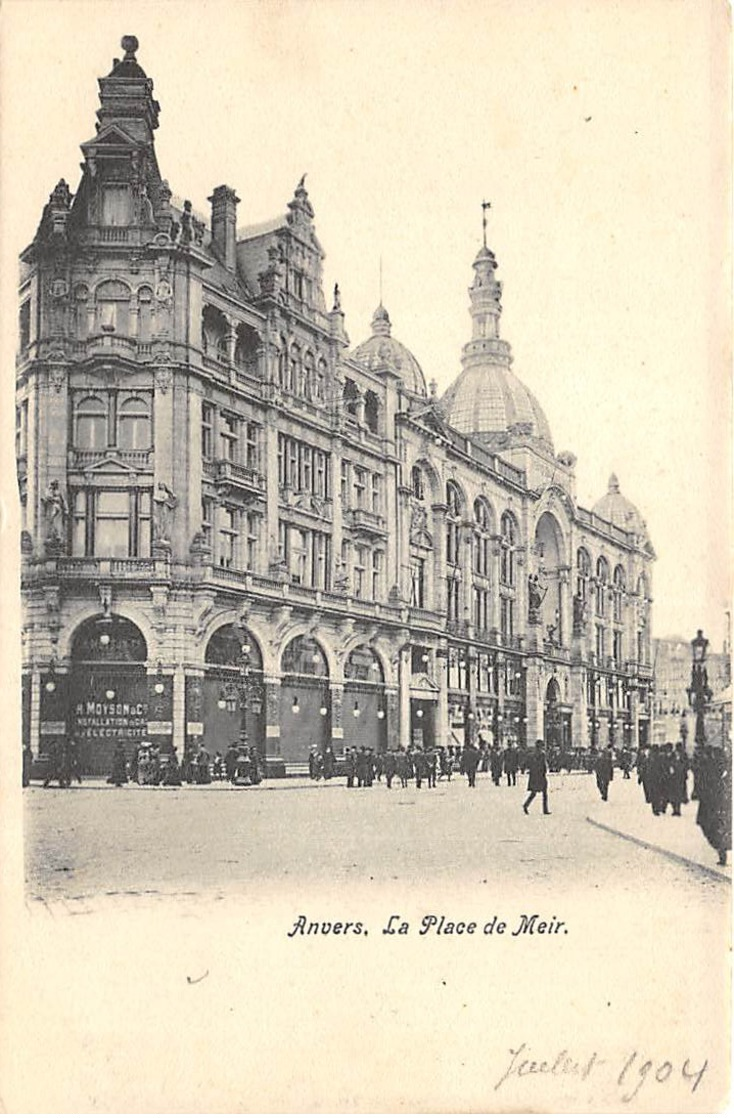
column 84, row 459
column 236, row 475
column 364, row 520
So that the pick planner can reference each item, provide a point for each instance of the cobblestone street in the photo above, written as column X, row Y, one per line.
column 96, row 839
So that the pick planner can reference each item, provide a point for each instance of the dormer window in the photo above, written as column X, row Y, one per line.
column 116, row 204
column 113, row 303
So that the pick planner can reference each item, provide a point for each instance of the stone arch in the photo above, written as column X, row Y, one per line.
column 227, row 640
column 270, row 660
column 87, row 613
column 305, row 630
column 551, row 552
column 432, row 476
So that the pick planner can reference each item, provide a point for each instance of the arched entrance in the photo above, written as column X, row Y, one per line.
column 556, row 718
column 233, row 691
column 305, row 718
column 365, row 707
column 108, row 690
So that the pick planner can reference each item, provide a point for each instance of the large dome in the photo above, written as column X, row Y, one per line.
column 616, row 509
column 490, row 400
column 382, row 349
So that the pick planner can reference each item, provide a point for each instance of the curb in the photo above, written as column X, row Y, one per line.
column 691, row 862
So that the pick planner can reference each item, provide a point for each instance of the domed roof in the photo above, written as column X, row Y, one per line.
column 489, row 399
column 615, row 508
column 382, row 349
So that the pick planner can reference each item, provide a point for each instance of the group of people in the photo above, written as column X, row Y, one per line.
column 663, row 770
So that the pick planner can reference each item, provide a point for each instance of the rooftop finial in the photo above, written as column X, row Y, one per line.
column 129, row 44
column 485, row 206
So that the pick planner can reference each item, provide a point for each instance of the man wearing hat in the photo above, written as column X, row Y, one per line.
column 537, row 777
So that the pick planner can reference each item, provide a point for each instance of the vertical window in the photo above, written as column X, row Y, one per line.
column 617, row 649
column 583, row 573
column 507, row 618
column 416, row 483
column 112, row 523
column 508, row 539
column 91, row 424
column 252, row 459
column 253, row 536
column 320, row 386
column 207, row 520
column 376, row 576
column 481, row 538
column 360, row 567
column 145, row 314
column 141, row 523
column 306, row 479
column 116, row 208
column 376, row 493
column 453, row 524
column 228, row 537
column 453, row 594
column 207, row 430
column 21, row 432
column 134, row 427
column 81, row 312
column 229, row 433
column 600, row 642
column 113, row 304
column 344, row 483
column 602, row 579
column 79, row 544
column 24, row 325
column 360, row 487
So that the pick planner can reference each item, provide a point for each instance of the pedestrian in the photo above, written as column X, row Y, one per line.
column 53, row 764
column 604, row 772
column 172, row 772
column 402, row 766
column 370, row 768
column 509, row 764
column 329, row 762
column 431, row 767
column 390, row 767
column 656, row 780
column 74, row 761
column 418, row 763
column 361, row 767
column 678, row 781
column 469, row 763
column 350, row 766
column 625, row 762
column 537, row 777
column 118, row 776
column 496, row 764
column 218, row 766
column 230, row 762
column 713, row 786
column 313, row 763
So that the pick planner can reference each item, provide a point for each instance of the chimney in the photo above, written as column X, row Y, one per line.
column 224, row 225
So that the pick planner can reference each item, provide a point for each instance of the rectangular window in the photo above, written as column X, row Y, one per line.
column 116, row 209
column 600, row 642
column 228, row 533
column 24, row 325
column 141, row 524
column 229, row 433
column 360, row 566
column 207, row 520
column 79, row 524
column 617, row 649
column 252, row 436
column 507, row 619
column 360, row 487
column 321, row 464
column 344, row 483
column 306, row 478
column 207, row 430
column 112, row 524
column 253, row 536
column 376, row 493
column 376, row 576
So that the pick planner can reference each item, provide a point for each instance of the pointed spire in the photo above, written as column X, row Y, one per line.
column 126, row 95
column 381, row 322
column 300, row 210
column 485, row 206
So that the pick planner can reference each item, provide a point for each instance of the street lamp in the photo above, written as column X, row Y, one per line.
column 244, row 682
column 699, row 692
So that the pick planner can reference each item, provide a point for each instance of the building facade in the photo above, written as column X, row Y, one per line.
column 233, row 522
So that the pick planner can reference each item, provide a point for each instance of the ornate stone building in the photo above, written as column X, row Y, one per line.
column 205, row 466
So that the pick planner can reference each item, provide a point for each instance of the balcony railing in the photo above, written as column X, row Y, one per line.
column 142, row 569
column 243, row 476
column 366, row 520
column 83, row 459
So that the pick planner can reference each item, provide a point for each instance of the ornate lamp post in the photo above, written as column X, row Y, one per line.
column 699, row 692
column 244, row 667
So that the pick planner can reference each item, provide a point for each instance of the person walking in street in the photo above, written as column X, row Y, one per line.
column 510, row 764
column 469, row 763
column 431, row 767
column 402, row 767
column 329, row 762
column 678, row 781
column 350, row 766
column 537, row 777
column 713, row 787
column 389, row 767
column 419, row 766
column 604, row 772
column 656, row 780
column 496, row 762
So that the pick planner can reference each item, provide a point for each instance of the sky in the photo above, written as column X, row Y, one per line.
column 597, row 130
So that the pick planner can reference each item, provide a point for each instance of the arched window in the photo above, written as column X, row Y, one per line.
column 417, row 483
column 619, row 586
column 214, row 330
column 91, row 424
column 583, row 573
column 482, row 533
column 371, row 411
column 134, row 427
column 351, row 398
column 245, row 349
column 226, row 645
column 304, row 656
column 454, row 504
column 294, row 376
column 508, row 541
column 283, row 364
column 602, row 583
column 320, row 384
column 113, row 305
column 308, row 375
column 362, row 664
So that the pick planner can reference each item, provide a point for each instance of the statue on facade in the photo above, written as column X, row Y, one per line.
column 56, row 512
column 536, row 594
column 165, row 501
column 579, row 614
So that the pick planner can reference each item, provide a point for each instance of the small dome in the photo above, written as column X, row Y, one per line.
column 382, row 349
column 615, row 508
column 492, row 400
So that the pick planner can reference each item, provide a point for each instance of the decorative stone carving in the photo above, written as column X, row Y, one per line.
column 163, row 377
column 165, row 502
column 56, row 512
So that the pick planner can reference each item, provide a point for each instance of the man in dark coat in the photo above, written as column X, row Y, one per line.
column 469, row 763
column 350, row 766
column 537, row 777
column 713, row 786
column 230, row 761
column 329, row 762
column 418, row 762
column 604, row 772
column 678, row 781
column 402, row 767
column 496, row 764
column 27, row 765
column 389, row 767
column 118, row 776
column 362, row 764
column 431, row 767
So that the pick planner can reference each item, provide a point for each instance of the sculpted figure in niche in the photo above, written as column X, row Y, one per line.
column 536, row 594
column 56, row 510
column 165, row 502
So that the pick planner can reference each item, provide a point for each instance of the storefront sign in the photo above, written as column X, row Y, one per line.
column 195, row 728
column 94, row 719
column 48, row 728
column 160, row 727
